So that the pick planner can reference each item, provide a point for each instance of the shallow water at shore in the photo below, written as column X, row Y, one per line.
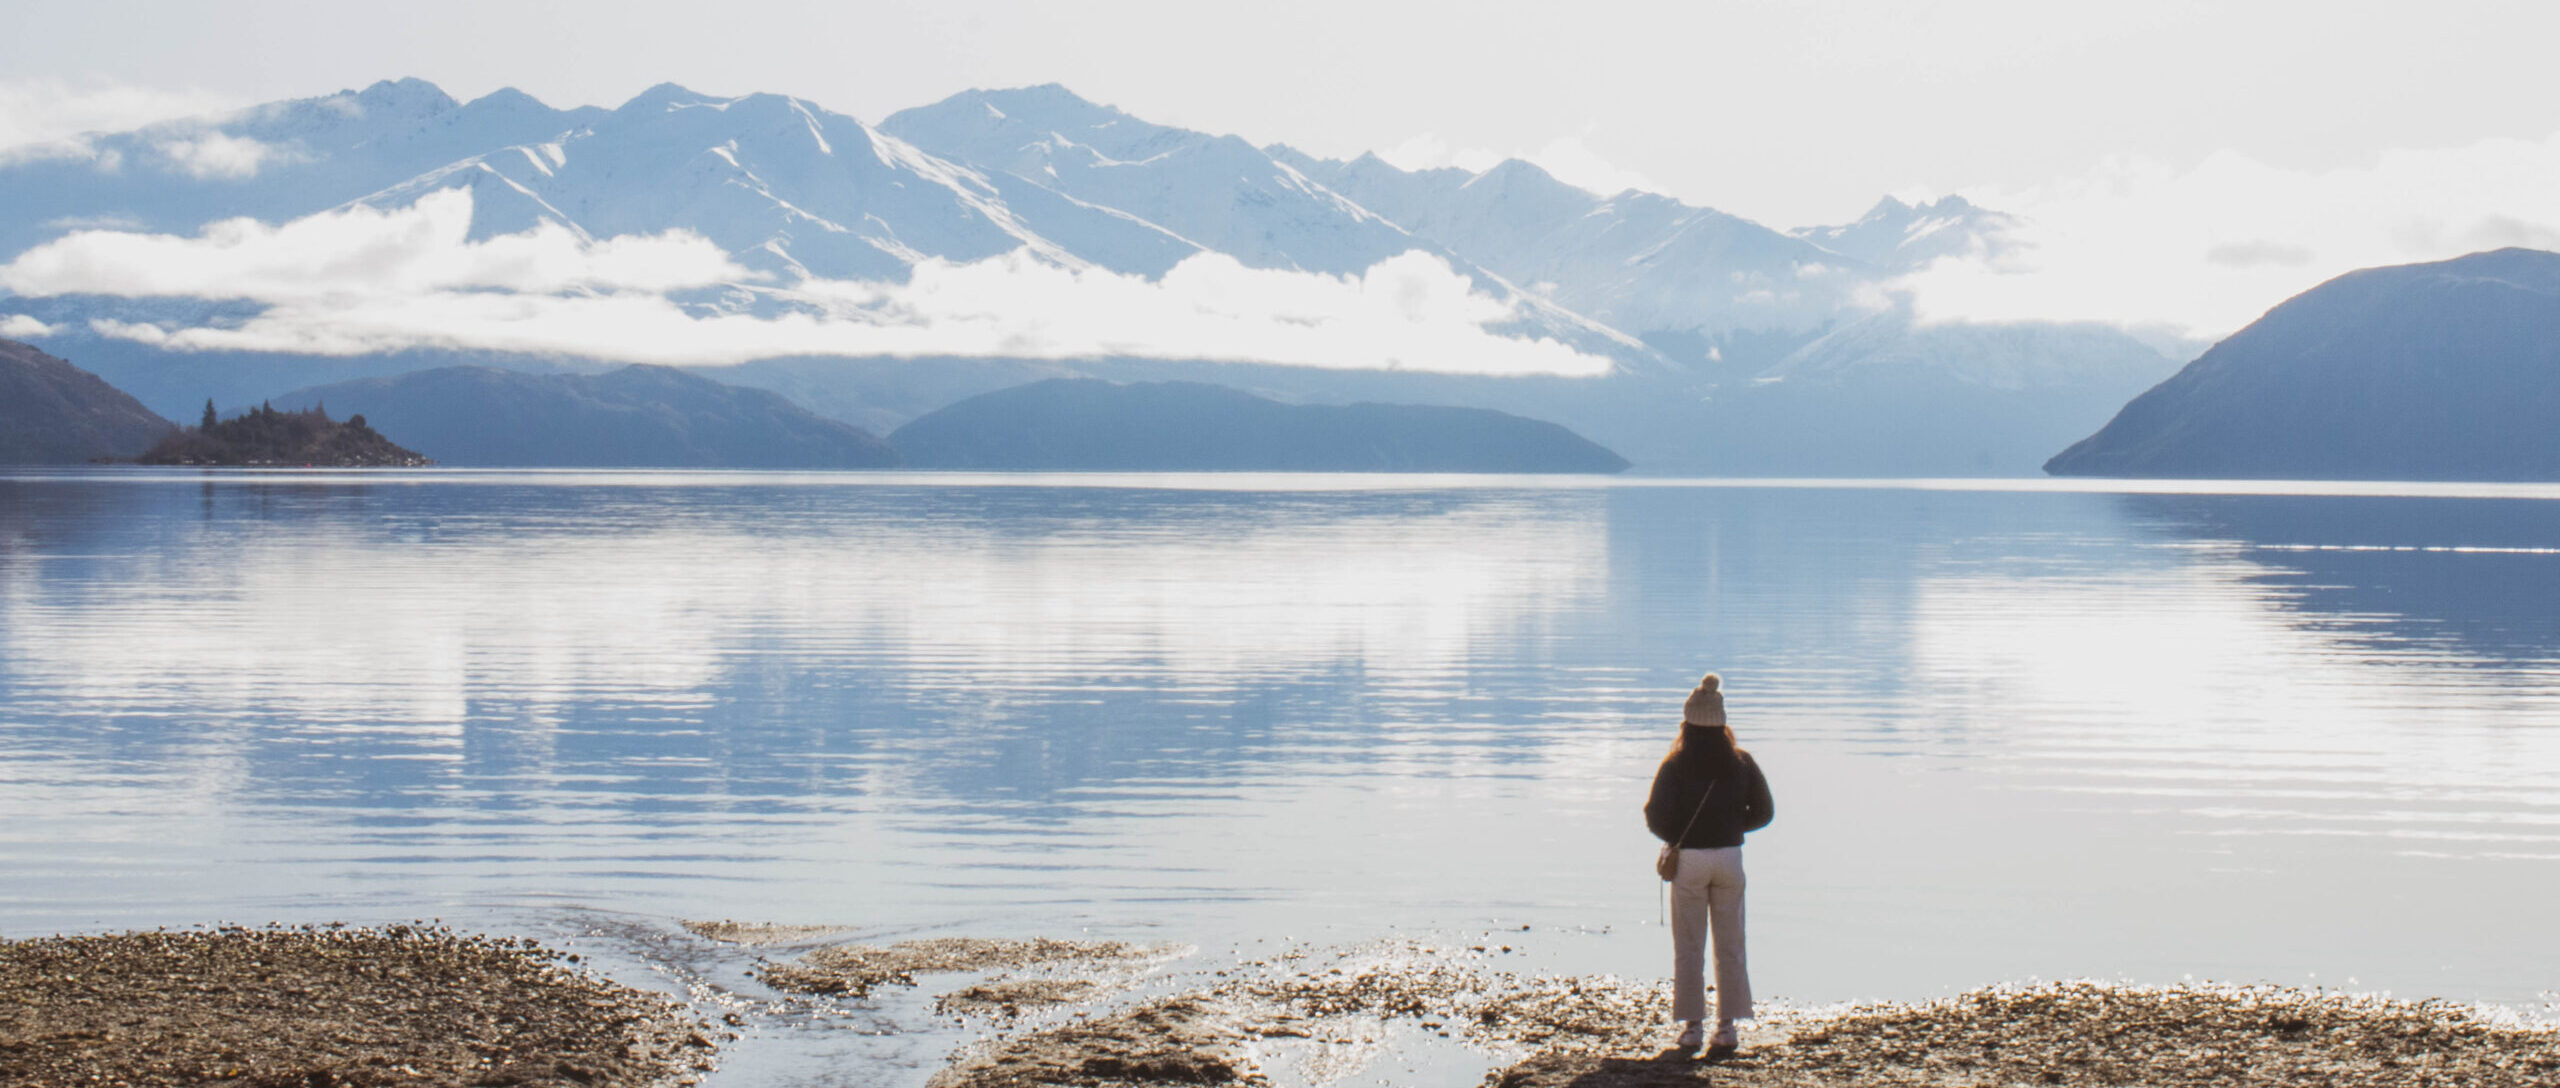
column 2310, row 739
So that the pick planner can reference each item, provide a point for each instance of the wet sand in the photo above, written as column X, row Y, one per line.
column 323, row 1007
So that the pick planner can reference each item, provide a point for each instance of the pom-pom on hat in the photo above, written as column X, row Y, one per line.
column 1705, row 705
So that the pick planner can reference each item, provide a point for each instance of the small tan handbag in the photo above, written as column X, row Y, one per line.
column 1666, row 864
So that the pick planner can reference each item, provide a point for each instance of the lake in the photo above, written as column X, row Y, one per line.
column 2297, row 734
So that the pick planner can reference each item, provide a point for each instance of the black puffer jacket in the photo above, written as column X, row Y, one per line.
column 1740, row 804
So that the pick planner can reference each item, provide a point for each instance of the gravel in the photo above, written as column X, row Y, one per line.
column 2083, row 1033
column 852, row 970
column 758, row 934
column 1605, row 1032
column 322, row 1007
column 1185, row 1039
column 419, row 1005
column 1011, row 997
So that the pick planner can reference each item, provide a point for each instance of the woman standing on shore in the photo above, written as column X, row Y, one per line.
column 1706, row 796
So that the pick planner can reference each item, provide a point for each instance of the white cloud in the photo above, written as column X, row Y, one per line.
column 363, row 280
column 1410, row 591
column 92, row 222
column 361, row 253
column 2258, row 251
column 46, row 118
column 21, row 326
column 2207, row 250
column 220, row 155
column 51, row 119
column 77, row 148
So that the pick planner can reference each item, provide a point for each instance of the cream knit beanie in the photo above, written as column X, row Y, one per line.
column 1706, row 705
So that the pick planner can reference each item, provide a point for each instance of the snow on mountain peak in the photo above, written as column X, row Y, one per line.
column 404, row 98
column 786, row 187
column 1511, row 173
column 507, row 98
column 668, row 96
column 1887, row 209
column 1053, row 96
column 1900, row 237
column 993, row 124
column 1635, row 261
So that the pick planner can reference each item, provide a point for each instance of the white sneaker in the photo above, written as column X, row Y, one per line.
column 1693, row 1036
column 1728, row 1039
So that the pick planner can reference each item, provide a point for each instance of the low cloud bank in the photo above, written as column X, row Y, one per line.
column 359, row 253
column 219, row 155
column 49, row 118
column 2207, row 250
column 364, row 280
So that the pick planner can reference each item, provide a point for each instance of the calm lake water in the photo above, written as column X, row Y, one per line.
column 2014, row 730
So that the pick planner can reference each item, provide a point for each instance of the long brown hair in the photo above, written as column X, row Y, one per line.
column 1704, row 749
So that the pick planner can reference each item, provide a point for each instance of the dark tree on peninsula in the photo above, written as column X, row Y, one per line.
column 265, row 436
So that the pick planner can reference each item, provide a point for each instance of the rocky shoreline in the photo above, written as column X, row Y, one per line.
column 2086, row 1033
column 1109, row 1015
column 1604, row 1032
column 420, row 1005
column 323, row 1007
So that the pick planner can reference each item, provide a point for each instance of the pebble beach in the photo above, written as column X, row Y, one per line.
column 423, row 1005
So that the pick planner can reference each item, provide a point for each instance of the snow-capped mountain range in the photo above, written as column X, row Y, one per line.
column 1686, row 300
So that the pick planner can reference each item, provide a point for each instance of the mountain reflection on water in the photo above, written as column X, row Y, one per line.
column 2012, row 733
column 2480, row 579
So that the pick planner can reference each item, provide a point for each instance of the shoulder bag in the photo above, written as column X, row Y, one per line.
column 1667, row 863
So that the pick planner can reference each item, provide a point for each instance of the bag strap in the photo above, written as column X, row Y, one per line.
column 1693, row 817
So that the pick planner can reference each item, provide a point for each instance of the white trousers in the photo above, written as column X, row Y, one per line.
column 1709, row 888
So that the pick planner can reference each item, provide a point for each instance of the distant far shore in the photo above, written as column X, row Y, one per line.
column 423, row 1005
column 1258, row 480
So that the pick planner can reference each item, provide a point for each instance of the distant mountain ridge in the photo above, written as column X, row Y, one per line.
column 789, row 188
column 1931, row 400
column 1699, row 311
column 635, row 417
column 1635, row 261
column 1899, row 237
column 276, row 161
column 1088, row 425
column 2448, row 370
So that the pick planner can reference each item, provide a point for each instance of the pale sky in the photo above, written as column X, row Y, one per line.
column 2180, row 165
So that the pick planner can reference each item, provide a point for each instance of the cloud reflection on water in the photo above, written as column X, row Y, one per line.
column 2004, row 724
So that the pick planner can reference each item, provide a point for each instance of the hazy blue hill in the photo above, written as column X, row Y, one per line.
column 1087, row 424
column 2442, row 371
column 635, row 417
column 54, row 413
column 1889, row 396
